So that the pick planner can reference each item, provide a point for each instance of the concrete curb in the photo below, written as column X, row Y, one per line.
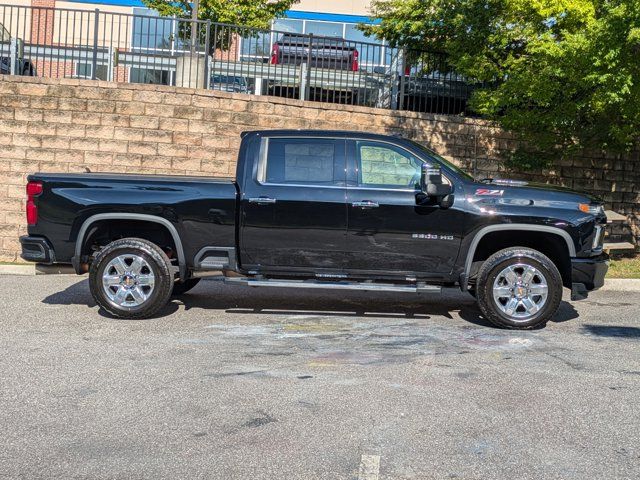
column 17, row 269
column 622, row 284
column 33, row 269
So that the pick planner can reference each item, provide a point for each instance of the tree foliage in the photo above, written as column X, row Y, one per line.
column 564, row 75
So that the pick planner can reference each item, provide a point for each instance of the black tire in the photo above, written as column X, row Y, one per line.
column 183, row 287
column 156, row 261
column 514, row 257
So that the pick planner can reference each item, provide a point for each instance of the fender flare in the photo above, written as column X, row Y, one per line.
column 131, row 216
column 511, row 226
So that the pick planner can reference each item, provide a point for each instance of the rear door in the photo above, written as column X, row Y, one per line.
column 293, row 210
column 388, row 232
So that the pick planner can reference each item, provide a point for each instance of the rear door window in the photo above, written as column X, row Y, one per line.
column 302, row 161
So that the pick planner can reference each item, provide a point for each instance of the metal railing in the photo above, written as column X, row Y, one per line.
column 76, row 43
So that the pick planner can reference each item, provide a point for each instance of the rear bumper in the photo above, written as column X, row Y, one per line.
column 587, row 274
column 37, row 249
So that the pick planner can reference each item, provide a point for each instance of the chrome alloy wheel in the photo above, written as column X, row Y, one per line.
column 128, row 280
column 520, row 291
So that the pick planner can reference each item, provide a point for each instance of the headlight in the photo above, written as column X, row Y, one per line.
column 593, row 209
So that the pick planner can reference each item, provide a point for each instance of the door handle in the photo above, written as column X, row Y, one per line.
column 262, row 200
column 365, row 204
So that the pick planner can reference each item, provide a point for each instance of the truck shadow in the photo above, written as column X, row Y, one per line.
column 214, row 295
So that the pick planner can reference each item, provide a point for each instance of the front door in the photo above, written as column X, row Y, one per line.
column 293, row 210
column 387, row 231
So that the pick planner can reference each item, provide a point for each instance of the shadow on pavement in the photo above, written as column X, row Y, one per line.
column 214, row 295
column 613, row 331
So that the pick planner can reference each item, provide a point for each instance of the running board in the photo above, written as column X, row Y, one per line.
column 420, row 287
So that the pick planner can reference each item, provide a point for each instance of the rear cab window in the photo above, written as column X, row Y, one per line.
column 301, row 161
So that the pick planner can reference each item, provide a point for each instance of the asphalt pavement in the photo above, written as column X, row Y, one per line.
column 239, row 383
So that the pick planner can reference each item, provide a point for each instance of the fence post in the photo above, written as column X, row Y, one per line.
column 110, row 62
column 307, row 72
column 403, row 67
column 302, row 94
column 96, row 26
column 207, row 51
column 13, row 55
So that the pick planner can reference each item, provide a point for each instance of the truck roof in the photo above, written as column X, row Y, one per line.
column 321, row 133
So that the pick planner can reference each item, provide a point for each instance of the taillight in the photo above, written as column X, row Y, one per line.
column 33, row 190
column 354, row 62
column 274, row 54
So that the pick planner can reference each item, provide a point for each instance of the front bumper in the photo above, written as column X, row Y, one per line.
column 37, row 249
column 587, row 274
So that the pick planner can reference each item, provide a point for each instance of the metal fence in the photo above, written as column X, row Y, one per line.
column 75, row 43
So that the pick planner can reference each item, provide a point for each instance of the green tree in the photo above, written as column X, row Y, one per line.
column 564, row 75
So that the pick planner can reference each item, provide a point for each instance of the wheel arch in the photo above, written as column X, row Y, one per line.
column 171, row 229
column 561, row 236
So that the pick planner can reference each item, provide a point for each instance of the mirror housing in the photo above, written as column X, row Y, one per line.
column 431, row 182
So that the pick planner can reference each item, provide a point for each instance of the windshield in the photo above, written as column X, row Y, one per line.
column 442, row 160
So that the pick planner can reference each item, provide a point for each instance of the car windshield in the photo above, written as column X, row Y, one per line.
column 442, row 160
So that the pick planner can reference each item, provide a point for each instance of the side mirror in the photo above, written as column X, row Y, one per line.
column 431, row 182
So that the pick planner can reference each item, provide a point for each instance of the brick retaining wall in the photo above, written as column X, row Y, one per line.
column 65, row 125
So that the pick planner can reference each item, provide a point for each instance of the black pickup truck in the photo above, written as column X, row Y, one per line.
column 322, row 209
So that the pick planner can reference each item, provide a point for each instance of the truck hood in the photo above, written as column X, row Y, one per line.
column 534, row 191
column 535, row 199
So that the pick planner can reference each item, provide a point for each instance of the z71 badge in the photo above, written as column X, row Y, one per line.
column 489, row 192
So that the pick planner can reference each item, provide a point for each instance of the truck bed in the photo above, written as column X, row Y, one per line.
column 202, row 206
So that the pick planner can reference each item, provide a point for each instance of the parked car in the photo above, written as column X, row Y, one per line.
column 229, row 83
column 319, row 52
column 24, row 67
column 436, row 92
column 322, row 209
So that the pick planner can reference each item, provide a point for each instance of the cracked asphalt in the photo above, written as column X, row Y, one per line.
column 238, row 383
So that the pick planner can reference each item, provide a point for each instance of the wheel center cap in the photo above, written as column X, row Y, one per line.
column 521, row 292
column 128, row 280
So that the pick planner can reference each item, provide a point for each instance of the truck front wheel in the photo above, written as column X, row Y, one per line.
column 131, row 278
column 518, row 288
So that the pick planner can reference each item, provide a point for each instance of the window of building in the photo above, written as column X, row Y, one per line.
column 258, row 45
column 312, row 161
column 324, row 29
column 83, row 70
column 386, row 166
column 151, row 31
column 144, row 75
column 288, row 25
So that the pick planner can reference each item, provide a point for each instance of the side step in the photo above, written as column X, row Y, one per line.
column 419, row 287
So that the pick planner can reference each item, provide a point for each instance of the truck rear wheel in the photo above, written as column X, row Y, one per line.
column 518, row 288
column 131, row 278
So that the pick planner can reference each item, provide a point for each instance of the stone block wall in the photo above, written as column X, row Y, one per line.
column 67, row 125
